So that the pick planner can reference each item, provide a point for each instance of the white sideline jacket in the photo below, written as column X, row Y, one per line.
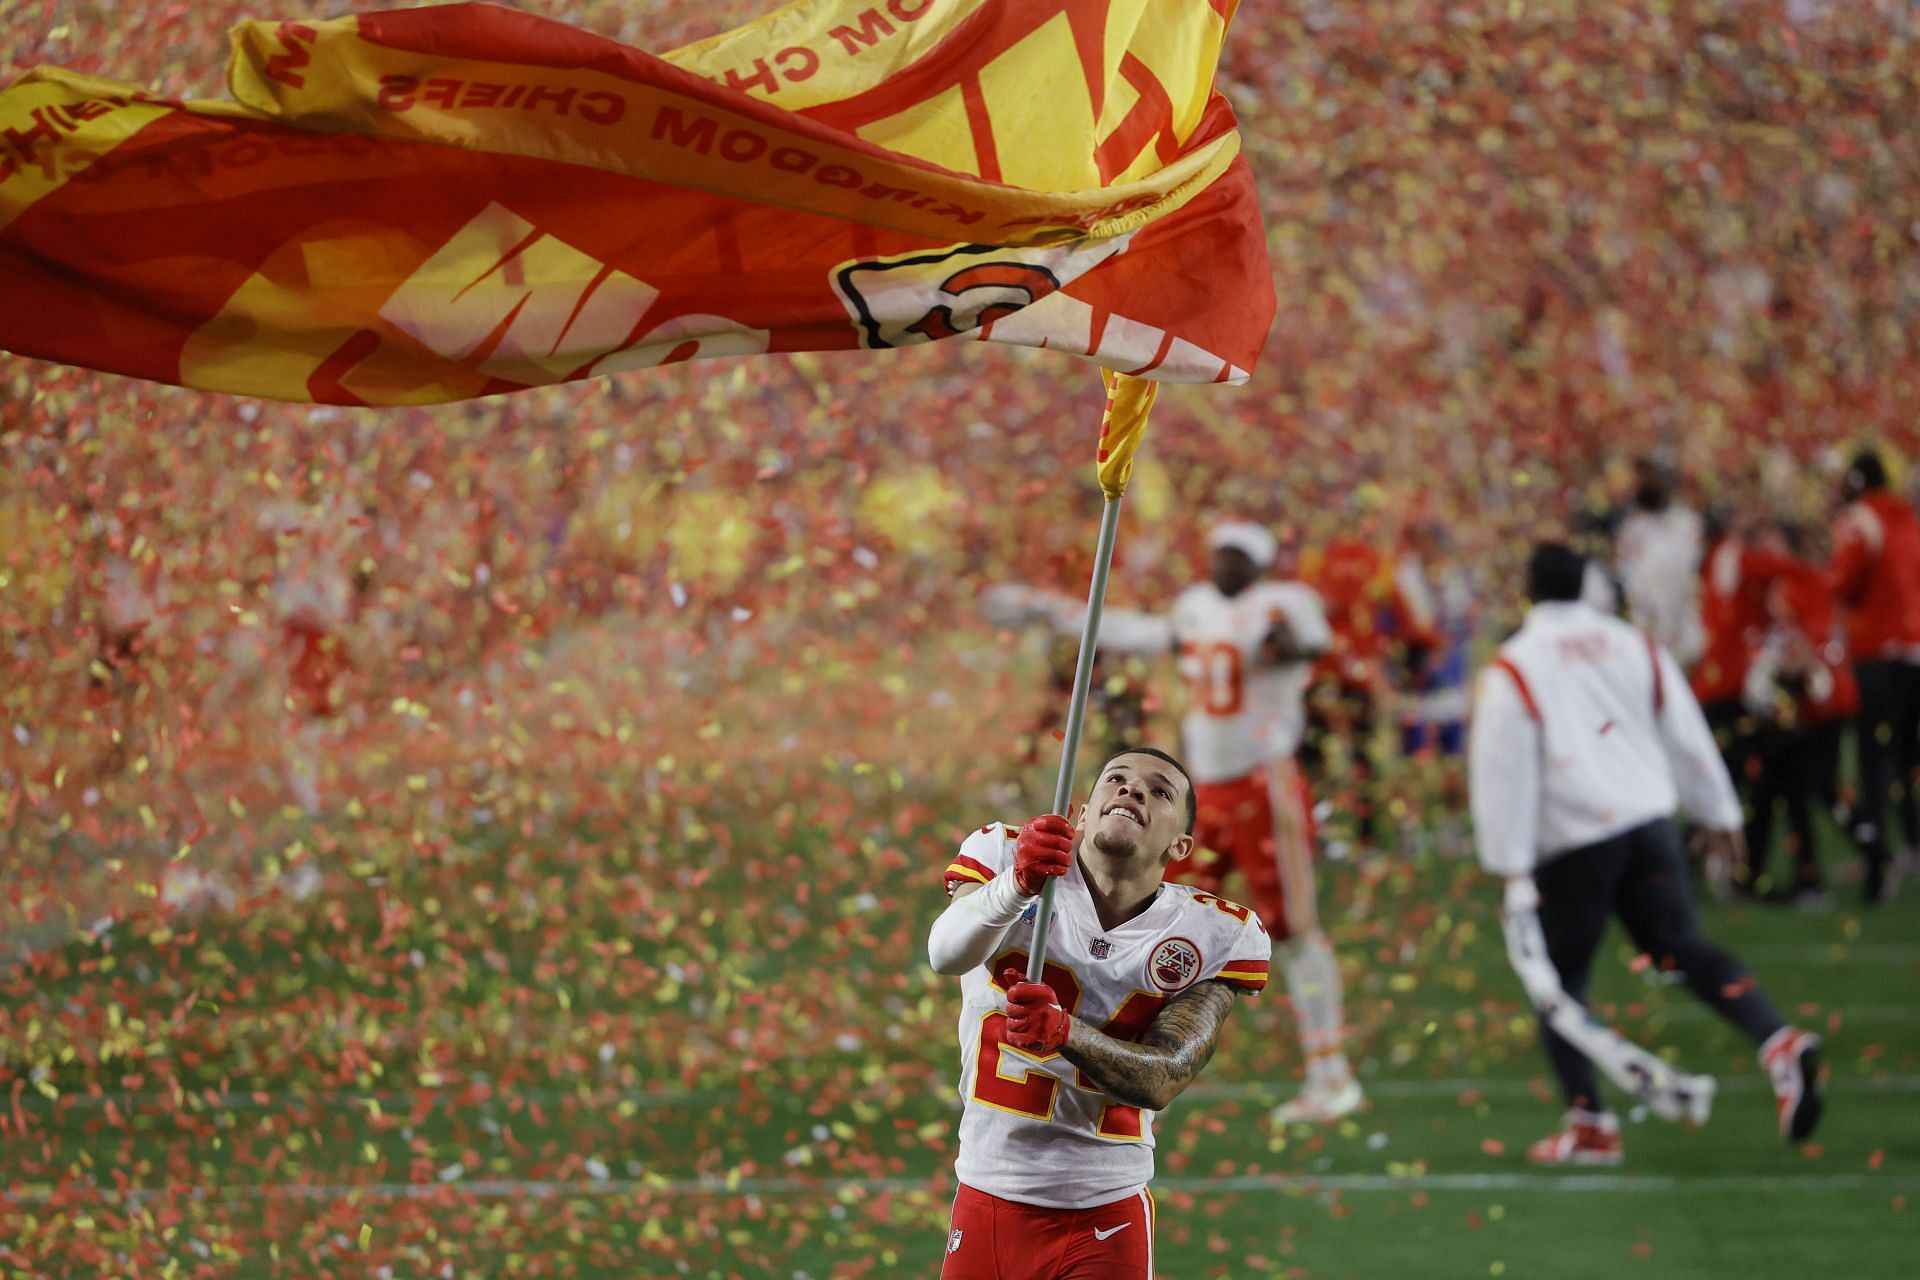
column 1584, row 728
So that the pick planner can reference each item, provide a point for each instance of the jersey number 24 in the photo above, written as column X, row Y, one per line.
column 1004, row 1079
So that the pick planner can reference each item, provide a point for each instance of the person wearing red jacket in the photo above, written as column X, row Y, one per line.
column 1875, row 576
column 1373, row 629
column 1800, row 691
column 1734, row 579
column 1736, row 575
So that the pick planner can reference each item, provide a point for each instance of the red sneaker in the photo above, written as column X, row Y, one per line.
column 1586, row 1138
column 1792, row 1059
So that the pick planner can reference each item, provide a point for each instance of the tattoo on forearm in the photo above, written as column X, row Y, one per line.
column 1151, row 1072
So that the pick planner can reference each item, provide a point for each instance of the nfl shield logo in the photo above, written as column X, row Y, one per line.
column 1101, row 948
column 953, row 1240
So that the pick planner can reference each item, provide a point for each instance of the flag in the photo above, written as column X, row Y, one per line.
column 441, row 203
column 1129, row 401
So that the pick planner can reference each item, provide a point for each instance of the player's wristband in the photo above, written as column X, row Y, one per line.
column 1000, row 900
column 971, row 928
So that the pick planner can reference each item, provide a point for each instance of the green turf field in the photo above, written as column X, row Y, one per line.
column 613, row 1055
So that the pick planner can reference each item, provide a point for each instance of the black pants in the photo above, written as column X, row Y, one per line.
column 1788, row 778
column 1642, row 876
column 1733, row 731
column 1887, row 733
column 1828, row 737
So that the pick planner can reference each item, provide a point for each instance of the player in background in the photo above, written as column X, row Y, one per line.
column 1657, row 552
column 1246, row 646
column 1875, row 574
column 1585, row 739
column 1354, row 580
column 1437, row 599
column 1800, row 691
column 1437, row 595
column 1736, row 580
column 1060, row 1080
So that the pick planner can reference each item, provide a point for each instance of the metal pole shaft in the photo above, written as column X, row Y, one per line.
column 1077, row 713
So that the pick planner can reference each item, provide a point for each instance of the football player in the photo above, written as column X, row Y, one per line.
column 1060, row 1079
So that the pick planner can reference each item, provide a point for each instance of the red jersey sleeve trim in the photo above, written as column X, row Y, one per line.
column 1247, row 975
column 1520, row 683
column 965, row 870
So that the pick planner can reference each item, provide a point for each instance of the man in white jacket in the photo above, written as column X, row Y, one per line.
column 1585, row 740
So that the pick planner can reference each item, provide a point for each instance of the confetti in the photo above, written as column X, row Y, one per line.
column 563, row 775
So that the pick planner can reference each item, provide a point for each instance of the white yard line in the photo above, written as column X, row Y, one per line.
column 1291, row 1184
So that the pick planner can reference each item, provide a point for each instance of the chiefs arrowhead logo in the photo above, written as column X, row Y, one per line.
column 1174, row 964
column 924, row 297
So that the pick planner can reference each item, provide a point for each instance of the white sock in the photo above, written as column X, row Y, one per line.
column 1313, row 985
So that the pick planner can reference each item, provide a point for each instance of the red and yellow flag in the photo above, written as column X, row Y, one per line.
column 1122, row 426
column 435, row 204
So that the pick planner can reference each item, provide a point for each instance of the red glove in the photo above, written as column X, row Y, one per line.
column 1044, row 849
column 1035, row 1021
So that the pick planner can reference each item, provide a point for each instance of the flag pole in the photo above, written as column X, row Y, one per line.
column 1077, row 714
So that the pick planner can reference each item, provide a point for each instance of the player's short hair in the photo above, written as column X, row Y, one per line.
column 1866, row 473
column 1555, row 571
column 1193, row 802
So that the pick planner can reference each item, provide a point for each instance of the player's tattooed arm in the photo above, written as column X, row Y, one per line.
column 1151, row 1072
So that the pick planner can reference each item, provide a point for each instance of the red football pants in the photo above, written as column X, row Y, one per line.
column 1261, row 824
column 995, row 1239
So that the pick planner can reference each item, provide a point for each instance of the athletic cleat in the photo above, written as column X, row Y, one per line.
column 1319, row 1104
column 1792, row 1059
column 1586, row 1138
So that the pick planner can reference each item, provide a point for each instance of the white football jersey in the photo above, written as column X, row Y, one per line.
column 1243, row 713
column 1034, row 1129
